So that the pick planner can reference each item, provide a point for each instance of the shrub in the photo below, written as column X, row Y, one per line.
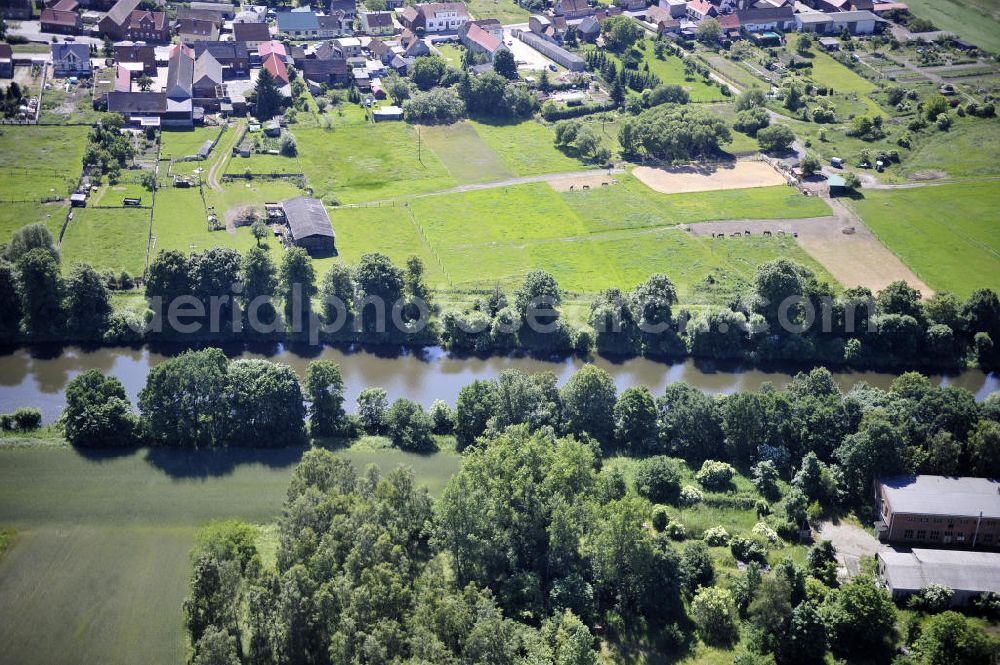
column 676, row 531
column 717, row 536
column 372, row 404
column 714, row 611
column 442, row 417
column 933, row 598
column 752, row 120
column 765, row 479
column 715, row 475
column 748, row 550
column 690, row 496
column 409, row 426
column 766, row 532
column 26, row 419
column 437, row 106
column 658, row 479
column 660, row 518
column 775, row 138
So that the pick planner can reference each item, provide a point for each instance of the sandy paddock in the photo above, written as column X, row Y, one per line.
column 573, row 183
column 735, row 175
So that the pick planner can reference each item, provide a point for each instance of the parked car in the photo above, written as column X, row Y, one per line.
column 553, row 68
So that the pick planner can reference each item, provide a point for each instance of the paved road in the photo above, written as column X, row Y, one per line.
column 32, row 31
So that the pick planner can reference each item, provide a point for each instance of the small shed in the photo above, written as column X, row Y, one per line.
column 837, row 184
column 78, row 200
column 309, row 225
column 387, row 113
column 206, row 148
column 830, row 43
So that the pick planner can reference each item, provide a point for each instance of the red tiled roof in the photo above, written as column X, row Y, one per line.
column 265, row 49
column 66, row 5
column 277, row 68
column 729, row 22
column 59, row 17
column 479, row 36
column 123, row 79
column 135, row 19
column 701, row 6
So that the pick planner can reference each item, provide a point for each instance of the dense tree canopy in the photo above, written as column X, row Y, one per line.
column 672, row 132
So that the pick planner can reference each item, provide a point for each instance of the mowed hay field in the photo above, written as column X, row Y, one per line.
column 37, row 162
column 100, row 562
column 948, row 234
column 975, row 20
column 613, row 236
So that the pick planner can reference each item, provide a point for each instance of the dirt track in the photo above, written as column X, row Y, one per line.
column 854, row 259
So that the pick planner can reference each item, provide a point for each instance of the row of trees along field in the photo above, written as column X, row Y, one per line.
column 784, row 314
column 535, row 554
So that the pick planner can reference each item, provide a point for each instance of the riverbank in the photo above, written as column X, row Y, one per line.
column 37, row 376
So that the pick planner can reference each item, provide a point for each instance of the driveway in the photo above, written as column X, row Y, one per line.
column 852, row 543
column 525, row 56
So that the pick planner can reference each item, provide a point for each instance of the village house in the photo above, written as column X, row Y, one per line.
column 180, row 86
column 377, row 23
column 193, row 29
column 663, row 19
column 764, row 19
column 480, row 41
column 589, row 29
column 215, row 16
column 226, row 9
column 71, row 60
column 350, row 7
column 938, row 511
column 233, row 56
column 676, row 8
column 551, row 28
column 140, row 108
column 207, row 76
column 251, row 14
column 701, row 9
column 251, row 34
column 855, row 22
column 967, row 574
column 309, row 225
column 413, row 46
column 138, row 58
column 334, row 25
column 435, row 17
column 114, row 22
column 637, row 6
column 303, row 25
column 61, row 21
column 276, row 66
column 572, row 9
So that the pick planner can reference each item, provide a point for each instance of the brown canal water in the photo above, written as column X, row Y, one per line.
column 38, row 377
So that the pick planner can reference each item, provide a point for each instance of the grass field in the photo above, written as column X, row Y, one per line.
column 611, row 237
column 947, row 234
column 264, row 164
column 671, row 70
column 968, row 149
column 362, row 162
column 463, row 152
column 98, row 575
column 115, row 239
column 507, row 11
column 179, row 143
column 975, row 20
column 526, row 148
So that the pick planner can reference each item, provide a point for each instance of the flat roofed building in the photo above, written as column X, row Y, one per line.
column 968, row 574
column 938, row 510
column 309, row 225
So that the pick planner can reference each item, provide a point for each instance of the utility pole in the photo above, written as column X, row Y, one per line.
column 418, row 146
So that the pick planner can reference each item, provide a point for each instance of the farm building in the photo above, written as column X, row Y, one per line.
column 309, row 225
column 939, row 510
column 968, row 574
column 558, row 54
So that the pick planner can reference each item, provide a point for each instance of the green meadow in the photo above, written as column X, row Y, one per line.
column 615, row 236
column 947, row 234
column 975, row 20
column 100, row 561
column 107, row 238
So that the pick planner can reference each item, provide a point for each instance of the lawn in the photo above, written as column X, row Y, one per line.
column 947, row 234
column 589, row 240
column 107, row 238
column 975, row 20
column 466, row 156
column 113, row 195
column 452, row 53
column 263, row 163
column 180, row 143
column 526, row 148
column 506, row 11
column 180, row 222
column 15, row 215
column 363, row 162
column 98, row 576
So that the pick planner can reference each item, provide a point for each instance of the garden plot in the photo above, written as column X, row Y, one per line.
column 682, row 179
